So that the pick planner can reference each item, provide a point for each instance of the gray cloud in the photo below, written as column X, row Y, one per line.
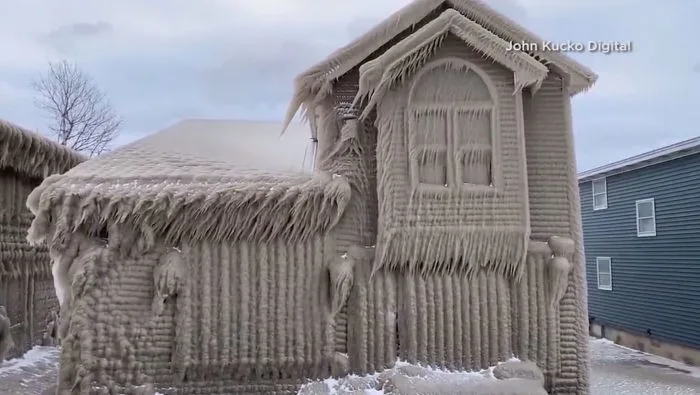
column 76, row 31
column 64, row 39
column 81, row 29
column 262, row 69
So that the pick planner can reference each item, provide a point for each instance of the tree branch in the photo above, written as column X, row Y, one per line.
column 81, row 116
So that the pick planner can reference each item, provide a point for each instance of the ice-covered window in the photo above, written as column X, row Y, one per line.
column 452, row 125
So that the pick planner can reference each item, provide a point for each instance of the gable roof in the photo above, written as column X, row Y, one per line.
column 317, row 82
column 650, row 158
column 379, row 74
column 32, row 154
column 196, row 180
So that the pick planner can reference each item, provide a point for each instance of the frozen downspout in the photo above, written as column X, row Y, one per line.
column 315, row 149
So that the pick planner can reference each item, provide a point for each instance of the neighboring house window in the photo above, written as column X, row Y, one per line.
column 604, row 269
column 600, row 194
column 646, row 218
column 452, row 126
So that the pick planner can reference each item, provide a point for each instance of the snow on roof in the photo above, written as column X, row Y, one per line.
column 203, row 179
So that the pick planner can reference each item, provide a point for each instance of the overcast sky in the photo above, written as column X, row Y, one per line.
column 161, row 61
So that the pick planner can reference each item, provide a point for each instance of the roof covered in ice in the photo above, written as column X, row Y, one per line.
column 198, row 179
column 32, row 154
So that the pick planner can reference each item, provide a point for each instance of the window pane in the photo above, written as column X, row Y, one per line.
column 599, row 201
column 477, row 89
column 476, row 167
column 472, row 136
column 604, row 265
column 599, row 186
column 432, row 173
column 647, row 225
column 429, row 127
column 432, row 166
column 645, row 210
column 473, row 128
column 604, row 280
column 448, row 85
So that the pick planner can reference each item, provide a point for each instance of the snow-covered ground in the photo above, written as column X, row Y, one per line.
column 32, row 374
column 615, row 370
column 411, row 377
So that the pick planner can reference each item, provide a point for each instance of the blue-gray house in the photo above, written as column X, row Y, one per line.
column 641, row 227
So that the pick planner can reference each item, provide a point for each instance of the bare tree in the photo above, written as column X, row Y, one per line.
column 81, row 116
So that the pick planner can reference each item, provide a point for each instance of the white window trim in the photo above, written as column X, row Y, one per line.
column 653, row 217
column 604, row 193
column 597, row 264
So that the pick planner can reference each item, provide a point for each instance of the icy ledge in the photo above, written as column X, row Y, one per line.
column 508, row 378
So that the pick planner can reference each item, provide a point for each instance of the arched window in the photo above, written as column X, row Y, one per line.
column 452, row 125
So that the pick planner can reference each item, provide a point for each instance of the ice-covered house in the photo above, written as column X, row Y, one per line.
column 26, row 288
column 461, row 156
column 441, row 226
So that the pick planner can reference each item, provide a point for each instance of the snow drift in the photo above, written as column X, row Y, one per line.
column 509, row 378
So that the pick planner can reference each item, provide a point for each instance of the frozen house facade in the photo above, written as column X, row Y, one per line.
column 441, row 226
column 27, row 297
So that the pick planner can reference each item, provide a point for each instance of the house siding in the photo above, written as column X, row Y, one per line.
column 656, row 280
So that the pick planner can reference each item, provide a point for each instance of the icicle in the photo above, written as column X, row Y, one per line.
column 340, row 365
column 169, row 276
column 6, row 342
column 469, row 235
column 346, row 157
column 341, row 272
column 559, row 267
column 403, row 59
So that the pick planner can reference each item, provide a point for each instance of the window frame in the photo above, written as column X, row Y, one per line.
column 458, row 150
column 652, row 217
column 598, row 259
column 414, row 163
column 453, row 168
column 604, row 193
